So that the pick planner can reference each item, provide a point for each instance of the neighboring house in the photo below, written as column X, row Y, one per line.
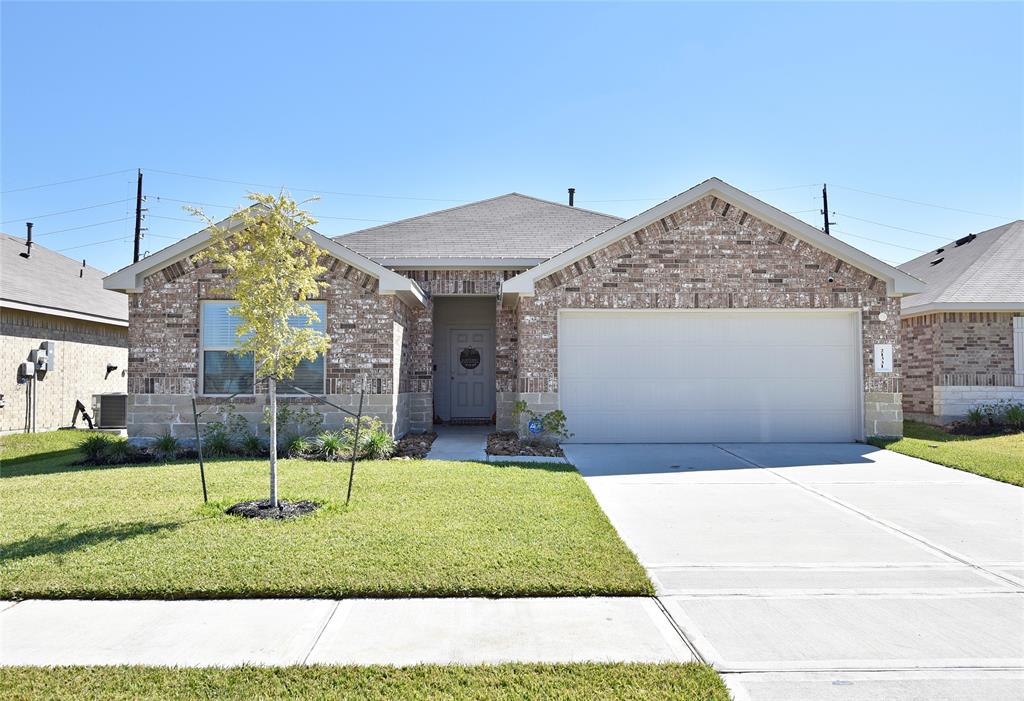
column 45, row 296
column 963, row 337
column 710, row 317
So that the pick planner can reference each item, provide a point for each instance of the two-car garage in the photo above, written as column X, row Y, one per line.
column 711, row 376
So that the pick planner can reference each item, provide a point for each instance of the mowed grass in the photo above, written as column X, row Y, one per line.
column 414, row 528
column 997, row 457
column 571, row 682
column 38, row 453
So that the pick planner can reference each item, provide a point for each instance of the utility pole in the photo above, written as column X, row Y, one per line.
column 138, row 218
column 824, row 208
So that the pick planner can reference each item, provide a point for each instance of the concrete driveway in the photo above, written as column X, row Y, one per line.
column 831, row 571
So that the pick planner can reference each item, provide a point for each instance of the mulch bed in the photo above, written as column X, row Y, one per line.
column 262, row 509
column 962, row 428
column 508, row 443
column 414, row 446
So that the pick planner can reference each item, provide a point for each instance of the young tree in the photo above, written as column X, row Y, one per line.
column 273, row 267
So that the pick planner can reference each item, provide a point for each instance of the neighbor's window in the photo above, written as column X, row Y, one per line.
column 225, row 372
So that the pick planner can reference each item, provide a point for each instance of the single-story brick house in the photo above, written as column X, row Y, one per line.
column 710, row 317
column 963, row 337
column 51, row 302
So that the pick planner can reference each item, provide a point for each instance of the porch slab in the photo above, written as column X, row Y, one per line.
column 460, row 443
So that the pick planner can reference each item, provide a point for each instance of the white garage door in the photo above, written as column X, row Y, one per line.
column 695, row 377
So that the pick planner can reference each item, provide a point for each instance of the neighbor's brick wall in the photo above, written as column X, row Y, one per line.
column 83, row 351
column 918, row 336
column 705, row 256
column 963, row 344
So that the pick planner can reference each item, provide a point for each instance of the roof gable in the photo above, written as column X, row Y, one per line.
column 897, row 282
column 51, row 283
column 512, row 227
column 985, row 271
column 130, row 278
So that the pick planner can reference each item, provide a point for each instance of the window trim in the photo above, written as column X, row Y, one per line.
column 202, row 348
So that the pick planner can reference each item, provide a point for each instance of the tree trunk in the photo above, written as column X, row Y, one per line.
column 272, row 390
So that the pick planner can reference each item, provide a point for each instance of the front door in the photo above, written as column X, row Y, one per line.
column 471, row 370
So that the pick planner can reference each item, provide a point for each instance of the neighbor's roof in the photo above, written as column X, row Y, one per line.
column 512, row 228
column 981, row 272
column 49, row 283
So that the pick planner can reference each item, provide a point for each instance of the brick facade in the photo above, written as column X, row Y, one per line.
column 84, row 350
column 954, row 349
column 710, row 255
column 371, row 335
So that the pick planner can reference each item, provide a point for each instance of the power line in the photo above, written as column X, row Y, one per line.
column 65, row 182
column 95, row 243
column 898, row 228
column 923, row 204
column 879, row 241
column 161, row 198
column 86, row 226
column 66, row 211
column 305, row 189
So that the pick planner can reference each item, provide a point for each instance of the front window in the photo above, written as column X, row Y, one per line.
column 225, row 372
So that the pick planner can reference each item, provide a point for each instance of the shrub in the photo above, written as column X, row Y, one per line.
column 329, row 445
column 253, row 446
column 1013, row 416
column 119, row 452
column 372, row 437
column 299, row 447
column 95, row 448
column 552, row 424
column 380, row 446
column 166, row 447
column 219, row 436
column 976, row 416
column 217, row 444
column 294, row 421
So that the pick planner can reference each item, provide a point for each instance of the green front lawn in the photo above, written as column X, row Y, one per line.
column 38, row 453
column 582, row 682
column 998, row 457
column 414, row 528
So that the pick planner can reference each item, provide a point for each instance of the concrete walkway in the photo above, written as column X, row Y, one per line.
column 826, row 571
column 460, row 443
column 352, row 631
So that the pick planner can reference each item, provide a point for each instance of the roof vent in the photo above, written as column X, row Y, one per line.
column 937, row 261
column 939, row 250
column 572, row 196
column 964, row 240
column 28, row 241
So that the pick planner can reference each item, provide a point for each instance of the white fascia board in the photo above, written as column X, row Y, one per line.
column 64, row 313
column 934, row 307
column 130, row 279
column 898, row 283
column 450, row 263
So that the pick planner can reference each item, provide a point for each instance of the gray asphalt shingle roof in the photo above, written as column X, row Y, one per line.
column 987, row 269
column 509, row 226
column 50, row 280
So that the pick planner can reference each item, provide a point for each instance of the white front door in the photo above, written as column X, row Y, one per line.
column 710, row 376
column 471, row 370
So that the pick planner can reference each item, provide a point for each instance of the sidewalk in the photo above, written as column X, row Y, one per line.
column 350, row 631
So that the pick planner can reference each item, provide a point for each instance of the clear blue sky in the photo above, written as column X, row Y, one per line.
column 630, row 104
